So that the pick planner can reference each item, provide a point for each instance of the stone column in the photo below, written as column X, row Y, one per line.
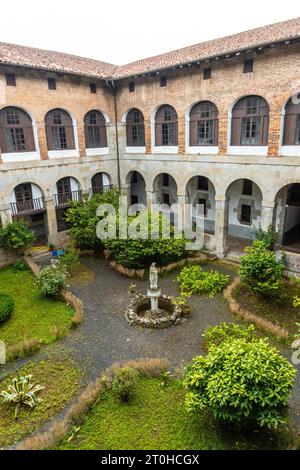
column 151, row 198
column 5, row 214
column 182, row 200
column 267, row 214
column 52, row 221
column 221, row 224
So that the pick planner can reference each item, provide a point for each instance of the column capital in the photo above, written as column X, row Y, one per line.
column 269, row 204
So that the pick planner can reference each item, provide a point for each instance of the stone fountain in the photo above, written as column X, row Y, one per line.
column 153, row 310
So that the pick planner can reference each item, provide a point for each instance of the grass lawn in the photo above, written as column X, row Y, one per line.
column 60, row 378
column 278, row 310
column 34, row 316
column 156, row 420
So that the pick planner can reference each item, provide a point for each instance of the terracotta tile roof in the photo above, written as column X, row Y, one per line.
column 54, row 61
column 60, row 62
column 254, row 38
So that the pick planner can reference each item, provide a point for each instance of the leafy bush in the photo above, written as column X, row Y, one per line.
column 269, row 237
column 21, row 392
column 70, row 260
column 241, row 381
column 20, row 265
column 7, row 304
column 16, row 236
column 215, row 335
column 124, row 383
column 260, row 270
column 193, row 280
column 82, row 219
column 51, row 279
column 142, row 252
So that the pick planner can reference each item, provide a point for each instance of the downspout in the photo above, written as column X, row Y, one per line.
column 111, row 84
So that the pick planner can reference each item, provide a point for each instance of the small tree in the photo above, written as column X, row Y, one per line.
column 16, row 237
column 82, row 218
column 269, row 237
column 260, row 270
column 241, row 381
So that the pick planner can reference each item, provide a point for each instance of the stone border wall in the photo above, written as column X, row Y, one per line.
column 249, row 317
column 140, row 273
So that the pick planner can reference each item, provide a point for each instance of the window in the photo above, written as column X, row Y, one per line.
column 134, row 177
column 207, row 73
column 163, row 81
column 204, row 124
column 59, row 130
column 165, row 179
column 134, row 199
column 246, row 214
column 202, row 183
column 10, row 79
column 97, row 183
column 166, row 198
column 247, row 187
column 135, row 130
column 93, row 88
column 250, row 122
column 166, row 126
column 291, row 135
column 51, row 83
column 202, row 202
column 95, row 130
column 131, row 86
column 16, row 132
column 248, row 66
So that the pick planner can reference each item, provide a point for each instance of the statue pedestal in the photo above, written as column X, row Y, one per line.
column 153, row 296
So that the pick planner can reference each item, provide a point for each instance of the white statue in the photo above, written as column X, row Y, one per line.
column 153, row 277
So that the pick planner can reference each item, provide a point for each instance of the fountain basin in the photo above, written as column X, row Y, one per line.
column 139, row 312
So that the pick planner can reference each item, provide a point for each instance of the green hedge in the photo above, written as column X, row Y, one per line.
column 7, row 304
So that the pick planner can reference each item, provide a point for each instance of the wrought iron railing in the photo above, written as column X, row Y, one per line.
column 64, row 199
column 27, row 207
column 100, row 189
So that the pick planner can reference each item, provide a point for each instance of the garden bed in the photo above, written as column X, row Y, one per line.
column 34, row 317
column 156, row 419
column 278, row 310
column 61, row 380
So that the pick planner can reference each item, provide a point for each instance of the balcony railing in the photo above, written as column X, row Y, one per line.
column 100, row 189
column 32, row 206
column 64, row 199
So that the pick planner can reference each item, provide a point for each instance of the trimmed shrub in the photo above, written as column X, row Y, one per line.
column 193, row 280
column 20, row 265
column 260, row 270
column 51, row 279
column 215, row 335
column 269, row 237
column 241, row 381
column 124, row 382
column 16, row 236
column 142, row 251
column 7, row 304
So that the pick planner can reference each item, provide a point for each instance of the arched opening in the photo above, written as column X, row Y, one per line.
column 287, row 216
column 59, row 130
column 250, row 122
column 166, row 126
column 203, row 120
column 67, row 190
column 135, row 129
column 291, row 131
column 165, row 194
column 200, row 191
column 244, row 199
column 137, row 188
column 27, row 202
column 16, row 131
column 100, row 183
column 95, row 130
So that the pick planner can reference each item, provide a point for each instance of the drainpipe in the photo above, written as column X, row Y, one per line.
column 111, row 84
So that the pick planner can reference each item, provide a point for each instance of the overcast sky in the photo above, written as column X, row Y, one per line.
column 120, row 31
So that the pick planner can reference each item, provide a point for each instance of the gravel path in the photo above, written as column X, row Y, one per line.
column 105, row 337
